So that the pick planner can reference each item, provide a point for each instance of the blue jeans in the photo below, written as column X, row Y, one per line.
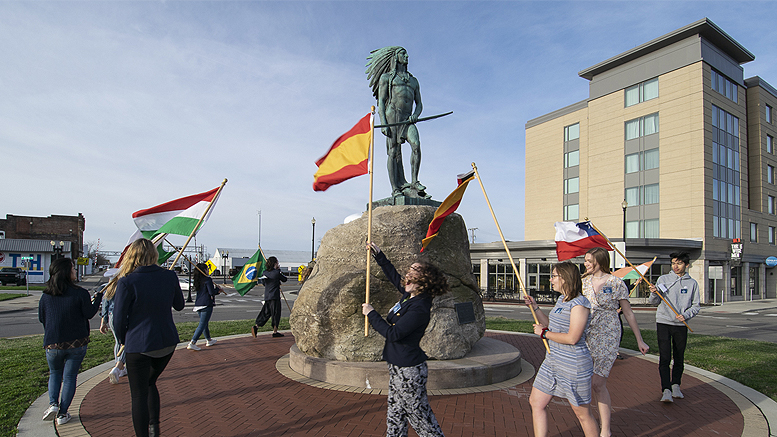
column 116, row 345
column 203, row 326
column 63, row 370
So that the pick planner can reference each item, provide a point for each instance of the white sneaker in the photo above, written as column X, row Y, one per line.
column 51, row 413
column 676, row 393
column 667, row 396
column 123, row 372
column 211, row 342
column 113, row 375
column 63, row 419
column 193, row 347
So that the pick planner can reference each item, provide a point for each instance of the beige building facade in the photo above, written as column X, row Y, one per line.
column 673, row 148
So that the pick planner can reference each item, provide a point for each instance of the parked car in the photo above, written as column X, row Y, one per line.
column 12, row 275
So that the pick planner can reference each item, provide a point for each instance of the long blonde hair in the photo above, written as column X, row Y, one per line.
column 141, row 252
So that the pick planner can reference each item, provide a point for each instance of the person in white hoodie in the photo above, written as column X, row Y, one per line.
column 682, row 293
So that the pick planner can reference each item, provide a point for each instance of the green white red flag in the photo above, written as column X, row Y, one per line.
column 179, row 216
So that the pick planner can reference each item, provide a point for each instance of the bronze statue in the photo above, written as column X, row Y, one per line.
column 396, row 91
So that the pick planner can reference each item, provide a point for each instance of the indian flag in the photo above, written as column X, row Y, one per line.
column 179, row 216
column 248, row 276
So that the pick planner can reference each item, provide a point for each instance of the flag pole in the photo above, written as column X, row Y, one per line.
column 204, row 214
column 369, row 215
column 671, row 307
column 509, row 255
column 185, row 257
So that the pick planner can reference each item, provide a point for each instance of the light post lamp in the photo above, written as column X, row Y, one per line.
column 313, row 240
column 57, row 248
column 224, row 256
column 624, row 205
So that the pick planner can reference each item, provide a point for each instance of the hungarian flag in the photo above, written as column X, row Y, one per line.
column 346, row 158
column 447, row 208
column 630, row 273
column 163, row 254
column 574, row 239
column 248, row 276
column 179, row 216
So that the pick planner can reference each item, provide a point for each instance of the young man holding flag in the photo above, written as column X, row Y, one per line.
column 682, row 293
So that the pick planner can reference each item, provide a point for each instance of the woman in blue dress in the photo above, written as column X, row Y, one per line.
column 567, row 369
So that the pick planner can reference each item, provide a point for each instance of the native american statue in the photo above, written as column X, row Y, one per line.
column 396, row 90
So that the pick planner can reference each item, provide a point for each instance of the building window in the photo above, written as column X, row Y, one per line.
column 770, row 204
column 769, row 144
column 641, row 161
column 641, row 92
column 725, row 174
column 571, row 212
column 724, row 86
column 771, row 234
column 643, row 126
column 571, row 185
column 768, row 114
column 572, row 159
column 769, row 174
column 649, row 194
column 753, row 232
column 572, row 132
column 642, row 229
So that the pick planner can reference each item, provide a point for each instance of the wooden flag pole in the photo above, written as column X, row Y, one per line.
column 509, row 255
column 185, row 257
column 204, row 214
column 369, row 215
column 671, row 307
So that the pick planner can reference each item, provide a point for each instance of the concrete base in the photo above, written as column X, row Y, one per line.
column 405, row 200
column 490, row 361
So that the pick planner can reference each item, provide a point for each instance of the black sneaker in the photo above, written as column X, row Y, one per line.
column 277, row 334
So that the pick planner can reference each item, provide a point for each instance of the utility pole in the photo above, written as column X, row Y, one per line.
column 259, row 231
column 472, row 231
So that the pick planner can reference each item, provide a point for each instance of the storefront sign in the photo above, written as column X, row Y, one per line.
column 736, row 252
column 771, row 261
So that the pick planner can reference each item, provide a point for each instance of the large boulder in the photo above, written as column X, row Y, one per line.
column 327, row 321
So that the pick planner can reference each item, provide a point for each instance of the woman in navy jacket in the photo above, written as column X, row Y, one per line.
column 403, row 328
column 144, row 325
column 203, row 305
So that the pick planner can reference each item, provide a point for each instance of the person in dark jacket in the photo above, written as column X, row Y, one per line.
column 65, row 310
column 144, row 325
column 203, row 305
column 403, row 329
column 272, row 298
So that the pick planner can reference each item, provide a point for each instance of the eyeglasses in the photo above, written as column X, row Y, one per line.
column 555, row 276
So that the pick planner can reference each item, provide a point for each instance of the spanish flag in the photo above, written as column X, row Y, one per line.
column 448, row 207
column 346, row 158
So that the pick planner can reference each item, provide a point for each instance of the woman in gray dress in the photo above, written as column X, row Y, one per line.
column 567, row 369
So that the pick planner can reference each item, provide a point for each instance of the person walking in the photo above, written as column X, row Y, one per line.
column 144, row 325
column 203, row 305
column 568, row 368
column 403, row 329
column 106, row 323
column 271, row 310
column 682, row 292
column 64, row 310
column 607, row 293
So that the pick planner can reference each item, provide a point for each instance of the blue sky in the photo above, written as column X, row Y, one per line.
column 111, row 107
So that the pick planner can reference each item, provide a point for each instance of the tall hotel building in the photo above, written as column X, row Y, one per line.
column 673, row 132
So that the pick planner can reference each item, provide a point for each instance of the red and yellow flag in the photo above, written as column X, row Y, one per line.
column 448, row 207
column 346, row 158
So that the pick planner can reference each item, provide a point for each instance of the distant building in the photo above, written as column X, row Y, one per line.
column 673, row 128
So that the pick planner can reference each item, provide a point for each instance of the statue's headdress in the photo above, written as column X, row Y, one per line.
column 379, row 62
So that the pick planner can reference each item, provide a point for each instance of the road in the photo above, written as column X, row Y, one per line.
column 754, row 324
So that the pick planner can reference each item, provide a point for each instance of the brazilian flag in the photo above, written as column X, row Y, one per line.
column 248, row 276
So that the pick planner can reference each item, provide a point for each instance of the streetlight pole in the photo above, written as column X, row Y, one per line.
column 624, row 205
column 224, row 256
column 313, row 240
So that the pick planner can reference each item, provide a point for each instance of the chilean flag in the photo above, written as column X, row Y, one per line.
column 574, row 239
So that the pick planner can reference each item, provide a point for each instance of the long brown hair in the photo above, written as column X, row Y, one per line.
column 141, row 252
column 570, row 274
column 60, row 277
column 430, row 280
column 602, row 259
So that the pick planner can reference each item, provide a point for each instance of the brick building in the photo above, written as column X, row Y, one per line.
column 57, row 228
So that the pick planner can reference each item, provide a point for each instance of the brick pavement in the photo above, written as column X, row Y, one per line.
column 234, row 389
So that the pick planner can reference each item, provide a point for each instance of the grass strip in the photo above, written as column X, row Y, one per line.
column 9, row 296
column 24, row 372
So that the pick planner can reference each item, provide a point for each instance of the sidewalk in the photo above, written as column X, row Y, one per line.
column 243, row 387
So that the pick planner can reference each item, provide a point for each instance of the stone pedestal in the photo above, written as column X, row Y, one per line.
column 327, row 321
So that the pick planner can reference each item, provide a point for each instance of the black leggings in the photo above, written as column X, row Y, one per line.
column 671, row 344
column 142, row 372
